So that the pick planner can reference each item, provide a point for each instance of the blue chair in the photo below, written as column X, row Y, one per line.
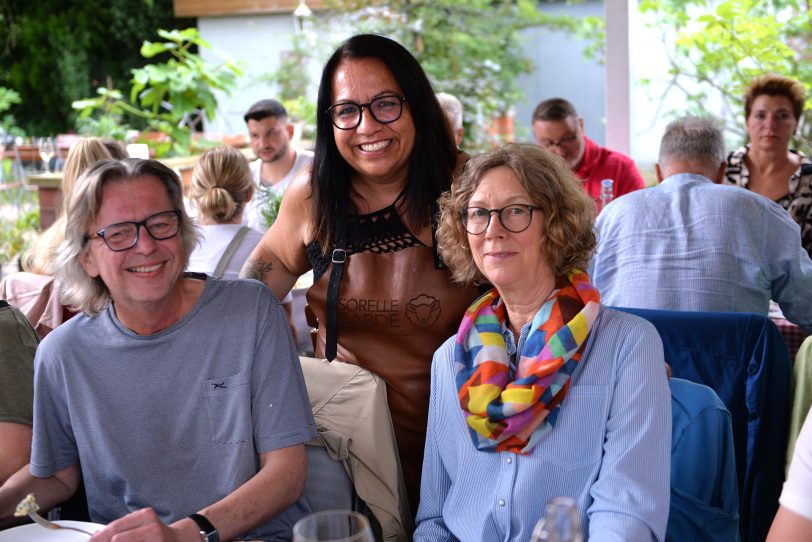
column 704, row 492
column 743, row 358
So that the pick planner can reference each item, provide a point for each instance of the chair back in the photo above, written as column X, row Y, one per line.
column 704, row 493
column 37, row 296
column 801, row 394
column 356, row 437
column 743, row 358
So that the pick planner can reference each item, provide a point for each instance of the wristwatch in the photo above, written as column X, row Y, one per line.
column 207, row 530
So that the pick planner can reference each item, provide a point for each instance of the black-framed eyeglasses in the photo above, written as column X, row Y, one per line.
column 514, row 218
column 561, row 143
column 124, row 235
column 384, row 109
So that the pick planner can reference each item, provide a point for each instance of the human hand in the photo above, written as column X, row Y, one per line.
column 145, row 525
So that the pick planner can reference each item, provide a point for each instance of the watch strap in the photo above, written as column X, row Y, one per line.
column 207, row 530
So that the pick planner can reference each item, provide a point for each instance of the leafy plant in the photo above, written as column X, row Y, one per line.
column 171, row 96
column 719, row 46
column 17, row 234
column 8, row 125
column 270, row 206
column 109, row 109
column 293, row 81
column 55, row 51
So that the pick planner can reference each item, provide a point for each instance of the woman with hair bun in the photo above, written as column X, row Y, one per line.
column 221, row 186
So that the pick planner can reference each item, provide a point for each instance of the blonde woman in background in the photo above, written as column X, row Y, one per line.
column 83, row 153
column 221, row 186
column 36, row 291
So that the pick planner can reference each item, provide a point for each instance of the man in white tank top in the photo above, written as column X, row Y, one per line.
column 277, row 163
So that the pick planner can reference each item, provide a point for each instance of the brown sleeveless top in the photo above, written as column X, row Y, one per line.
column 396, row 306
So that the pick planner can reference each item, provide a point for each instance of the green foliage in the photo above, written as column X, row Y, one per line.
column 17, row 234
column 270, row 206
column 8, row 125
column 54, row 52
column 721, row 45
column 8, row 98
column 170, row 96
column 293, row 81
column 109, row 119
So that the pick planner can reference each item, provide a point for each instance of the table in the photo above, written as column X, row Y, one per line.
column 49, row 190
column 793, row 335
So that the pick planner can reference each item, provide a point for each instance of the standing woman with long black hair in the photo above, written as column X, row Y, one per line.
column 364, row 221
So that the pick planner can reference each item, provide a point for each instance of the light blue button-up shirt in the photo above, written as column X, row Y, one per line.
column 609, row 450
column 691, row 245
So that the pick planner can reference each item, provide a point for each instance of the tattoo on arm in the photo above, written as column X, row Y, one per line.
column 255, row 268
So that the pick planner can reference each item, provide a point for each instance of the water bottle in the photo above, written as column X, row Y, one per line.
column 561, row 522
column 607, row 193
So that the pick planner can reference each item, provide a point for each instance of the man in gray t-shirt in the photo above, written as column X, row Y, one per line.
column 181, row 398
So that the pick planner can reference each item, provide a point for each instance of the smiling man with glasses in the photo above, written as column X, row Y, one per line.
column 558, row 128
column 178, row 399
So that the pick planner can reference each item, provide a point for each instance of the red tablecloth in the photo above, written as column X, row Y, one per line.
column 793, row 335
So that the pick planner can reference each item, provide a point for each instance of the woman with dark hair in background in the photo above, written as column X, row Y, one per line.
column 773, row 106
column 364, row 222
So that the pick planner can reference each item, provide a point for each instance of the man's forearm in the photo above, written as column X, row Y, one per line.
column 277, row 485
column 49, row 492
column 15, row 448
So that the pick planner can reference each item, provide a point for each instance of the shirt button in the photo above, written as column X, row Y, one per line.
column 509, row 460
column 501, row 502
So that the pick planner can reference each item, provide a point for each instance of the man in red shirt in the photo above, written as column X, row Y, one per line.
column 560, row 130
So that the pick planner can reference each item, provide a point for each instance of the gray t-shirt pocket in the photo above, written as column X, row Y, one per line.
column 228, row 405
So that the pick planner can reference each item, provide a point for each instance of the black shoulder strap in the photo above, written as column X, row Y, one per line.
column 339, row 258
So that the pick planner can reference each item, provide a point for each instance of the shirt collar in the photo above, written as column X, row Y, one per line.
column 685, row 178
column 589, row 160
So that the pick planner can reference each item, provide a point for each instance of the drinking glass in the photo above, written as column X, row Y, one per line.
column 46, row 151
column 333, row 526
column 561, row 522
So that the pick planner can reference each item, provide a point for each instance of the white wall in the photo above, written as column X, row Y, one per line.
column 257, row 41
column 560, row 70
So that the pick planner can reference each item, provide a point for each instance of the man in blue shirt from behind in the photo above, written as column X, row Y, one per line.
column 690, row 244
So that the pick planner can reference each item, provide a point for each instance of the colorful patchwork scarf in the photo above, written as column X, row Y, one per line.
column 515, row 416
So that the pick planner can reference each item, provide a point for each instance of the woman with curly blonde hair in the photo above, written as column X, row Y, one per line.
column 543, row 392
column 35, row 291
column 83, row 153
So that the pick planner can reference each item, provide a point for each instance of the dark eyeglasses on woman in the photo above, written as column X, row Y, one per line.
column 124, row 235
column 384, row 109
column 514, row 218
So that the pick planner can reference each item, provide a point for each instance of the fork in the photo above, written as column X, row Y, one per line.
column 55, row 526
